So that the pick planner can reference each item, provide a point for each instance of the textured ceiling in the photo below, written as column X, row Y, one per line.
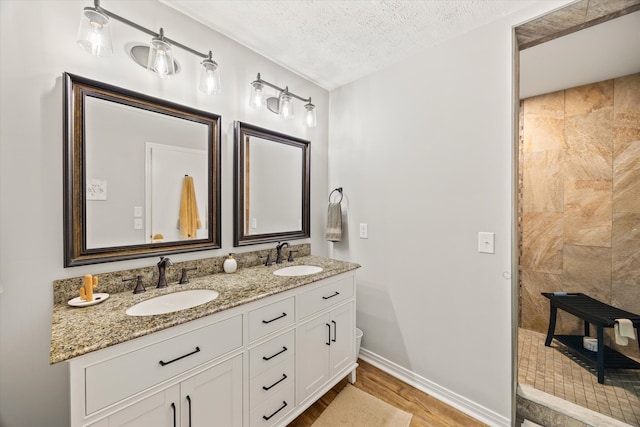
column 335, row 42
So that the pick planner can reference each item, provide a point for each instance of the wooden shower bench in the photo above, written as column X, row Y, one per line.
column 602, row 316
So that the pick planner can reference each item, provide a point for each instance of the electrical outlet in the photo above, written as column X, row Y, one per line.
column 137, row 224
column 364, row 231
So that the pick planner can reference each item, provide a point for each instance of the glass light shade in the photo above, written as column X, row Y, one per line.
column 256, row 98
column 210, row 77
column 94, row 33
column 310, row 115
column 286, row 106
column 161, row 58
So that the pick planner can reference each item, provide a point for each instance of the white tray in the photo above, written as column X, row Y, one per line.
column 97, row 298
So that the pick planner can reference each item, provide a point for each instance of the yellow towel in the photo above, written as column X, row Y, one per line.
column 623, row 329
column 189, row 219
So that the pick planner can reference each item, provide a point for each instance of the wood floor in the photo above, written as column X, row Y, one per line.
column 427, row 411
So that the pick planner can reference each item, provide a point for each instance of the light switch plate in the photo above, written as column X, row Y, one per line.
column 364, row 231
column 137, row 223
column 486, row 242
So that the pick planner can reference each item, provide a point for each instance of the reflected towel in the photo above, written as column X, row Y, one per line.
column 334, row 222
column 189, row 220
column 623, row 329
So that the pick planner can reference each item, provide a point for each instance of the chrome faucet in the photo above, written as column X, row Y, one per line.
column 162, row 265
column 279, row 248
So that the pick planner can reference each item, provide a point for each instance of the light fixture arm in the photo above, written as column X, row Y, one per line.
column 279, row 89
column 145, row 30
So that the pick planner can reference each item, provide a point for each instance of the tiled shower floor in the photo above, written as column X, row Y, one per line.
column 555, row 371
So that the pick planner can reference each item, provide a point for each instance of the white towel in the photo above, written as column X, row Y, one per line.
column 623, row 329
column 334, row 222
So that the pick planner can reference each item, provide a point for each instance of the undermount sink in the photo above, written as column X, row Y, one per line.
column 298, row 270
column 172, row 302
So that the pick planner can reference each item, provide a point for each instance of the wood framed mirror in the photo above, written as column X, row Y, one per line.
column 141, row 175
column 271, row 186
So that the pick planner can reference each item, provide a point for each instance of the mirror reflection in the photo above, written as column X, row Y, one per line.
column 272, row 186
column 142, row 175
column 158, row 153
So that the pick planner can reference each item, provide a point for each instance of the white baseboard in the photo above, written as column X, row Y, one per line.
column 461, row 403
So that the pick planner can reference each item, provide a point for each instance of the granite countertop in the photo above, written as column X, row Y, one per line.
column 79, row 330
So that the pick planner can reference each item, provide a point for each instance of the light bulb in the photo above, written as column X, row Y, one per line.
column 310, row 115
column 286, row 106
column 256, row 100
column 94, row 33
column 210, row 77
column 160, row 63
column 160, row 57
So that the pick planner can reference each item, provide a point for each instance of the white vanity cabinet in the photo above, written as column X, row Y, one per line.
column 271, row 362
column 259, row 364
column 325, row 336
column 212, row 397
column 145, row 382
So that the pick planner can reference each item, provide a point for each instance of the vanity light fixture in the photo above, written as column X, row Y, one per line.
column 282, row 104
column 94, row 36
column 160, row 59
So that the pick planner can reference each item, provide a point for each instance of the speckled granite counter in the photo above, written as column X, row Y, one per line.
column 77, row 331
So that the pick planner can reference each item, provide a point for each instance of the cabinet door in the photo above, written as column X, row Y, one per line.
column 160, row 409
column 312, row 353
column 213, row 397
column 342, row 347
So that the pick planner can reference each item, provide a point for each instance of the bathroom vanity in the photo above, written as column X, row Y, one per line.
column 258, row 355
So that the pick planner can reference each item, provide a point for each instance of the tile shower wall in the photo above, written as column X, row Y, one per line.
column 580, row 199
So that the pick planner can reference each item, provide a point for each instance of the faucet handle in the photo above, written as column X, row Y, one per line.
column 139, row 286
column 290, row 259
column 184, row 279
column 268, row 261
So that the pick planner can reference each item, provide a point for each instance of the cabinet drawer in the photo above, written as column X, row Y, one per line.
column 265, row 320
column 271, row 382
column 325, row 296
column 273, row 409
column 271, row 353
column 117, row 378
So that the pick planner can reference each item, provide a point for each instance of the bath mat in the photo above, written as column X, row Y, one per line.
column 355, row 408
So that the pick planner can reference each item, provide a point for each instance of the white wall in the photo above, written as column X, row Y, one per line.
column 423, row 151
column 37, row 44
column 594, row 54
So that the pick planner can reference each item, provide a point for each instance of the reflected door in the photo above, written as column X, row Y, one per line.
column 167, row 166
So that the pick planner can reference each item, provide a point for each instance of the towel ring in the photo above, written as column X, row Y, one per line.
column 339, row 190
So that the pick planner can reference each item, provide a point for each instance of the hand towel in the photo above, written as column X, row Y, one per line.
column 623, row 329
column 189, row 221
column 334, row 222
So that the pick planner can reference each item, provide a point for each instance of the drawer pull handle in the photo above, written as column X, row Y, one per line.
column 329, row 334
column 189, row 400
column 173, row 406
column 284, row 405
column 271, row 357
column 274, row 319
column 163, row 363
column 335, row 330
column 284, row 377
column 331, row 296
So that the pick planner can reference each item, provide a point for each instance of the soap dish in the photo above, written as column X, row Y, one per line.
column 79, row 302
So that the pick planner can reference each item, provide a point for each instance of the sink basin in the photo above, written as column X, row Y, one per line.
column 172, row 302
column 298, row 270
